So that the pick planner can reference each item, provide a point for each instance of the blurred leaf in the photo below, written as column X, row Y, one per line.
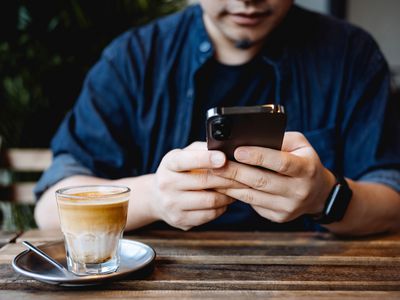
column 23, row 18
column 17, row 217
column 14, row 87
column 53, row 23
column 79, row 15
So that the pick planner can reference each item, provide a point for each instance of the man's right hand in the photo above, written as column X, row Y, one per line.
column 185, row 187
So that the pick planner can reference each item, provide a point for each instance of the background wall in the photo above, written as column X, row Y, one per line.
column 382, row 20
column 321, row 6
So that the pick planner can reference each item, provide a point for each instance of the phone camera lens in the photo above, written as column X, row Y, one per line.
column 221, row 129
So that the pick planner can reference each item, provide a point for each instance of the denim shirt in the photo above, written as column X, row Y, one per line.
column 137, row 102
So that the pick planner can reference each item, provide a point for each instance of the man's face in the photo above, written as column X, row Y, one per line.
column 241, row 20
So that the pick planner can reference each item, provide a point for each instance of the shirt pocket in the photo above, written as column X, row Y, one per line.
column 324, row 142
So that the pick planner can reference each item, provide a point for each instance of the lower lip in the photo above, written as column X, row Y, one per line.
column 247, row 21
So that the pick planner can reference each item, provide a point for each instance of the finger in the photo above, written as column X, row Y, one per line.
column 271, row 215
column 185, row 160
column 278, row 161
column 259, row 179
column 203, row 200
column 199, row 217
column 257, row 198
column 286, row 163
column 293, row 141
column 201, row 180
column 197, row 146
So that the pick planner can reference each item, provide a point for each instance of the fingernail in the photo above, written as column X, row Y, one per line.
column 217, row 159
column 242, row 154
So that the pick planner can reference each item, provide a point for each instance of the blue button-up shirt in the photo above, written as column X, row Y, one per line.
column 137, row 102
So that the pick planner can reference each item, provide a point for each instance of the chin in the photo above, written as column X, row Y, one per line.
column 250, row 39
column 248, row 35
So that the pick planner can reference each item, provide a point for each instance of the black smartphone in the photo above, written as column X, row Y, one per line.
column 232, row 127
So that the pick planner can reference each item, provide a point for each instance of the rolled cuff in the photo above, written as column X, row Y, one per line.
column 63, row 166
column 389, row 177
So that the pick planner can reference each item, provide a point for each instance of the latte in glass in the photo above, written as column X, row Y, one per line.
column 92, row 220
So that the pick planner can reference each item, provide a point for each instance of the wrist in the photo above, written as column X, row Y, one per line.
column 325, row 189
column 153, row 203
column 336, row 203
column 140, row 211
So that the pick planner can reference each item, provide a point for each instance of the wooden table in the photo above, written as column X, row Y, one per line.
column 7, row 237
column 235, row 265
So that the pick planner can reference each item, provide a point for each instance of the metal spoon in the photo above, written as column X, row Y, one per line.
column 47, row 258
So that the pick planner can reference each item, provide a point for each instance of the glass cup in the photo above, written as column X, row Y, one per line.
column 92, row 220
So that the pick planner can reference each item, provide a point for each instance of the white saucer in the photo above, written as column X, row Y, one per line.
column 133, row 257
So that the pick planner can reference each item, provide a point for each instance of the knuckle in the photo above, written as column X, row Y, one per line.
column 234, row 173
column 170, row 204
column 196, row 144
column 231, row 182
column 259, row 159
column 284, row 165
column 204, row 177
column 170, row 159
column 311, row 170
column 177, row 220
column 261, row 182
column 280, row 218
column 211, row 200
column 163, row 184
column 290, row 208
column 248, row 196
column 215, row 213
column 171, row 154
column 185, row 228
column 298, row 134
column 301, row 194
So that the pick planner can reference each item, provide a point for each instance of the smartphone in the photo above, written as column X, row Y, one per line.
column 232, row 127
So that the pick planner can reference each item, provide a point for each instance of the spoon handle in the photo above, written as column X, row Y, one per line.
column 45, row 256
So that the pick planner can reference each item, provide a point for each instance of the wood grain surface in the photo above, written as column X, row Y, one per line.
column 6, row 237
column 237, row 265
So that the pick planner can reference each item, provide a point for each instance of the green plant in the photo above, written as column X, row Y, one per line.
column 46, row 51
column 46, row 48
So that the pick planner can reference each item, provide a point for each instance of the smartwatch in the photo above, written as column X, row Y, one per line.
column 337, row 202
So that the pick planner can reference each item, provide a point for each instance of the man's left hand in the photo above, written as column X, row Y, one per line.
column 282, row 185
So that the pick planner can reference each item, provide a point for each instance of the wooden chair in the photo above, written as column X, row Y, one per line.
column 19, row 171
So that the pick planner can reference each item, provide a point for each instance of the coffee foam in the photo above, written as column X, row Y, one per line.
column 91, row 198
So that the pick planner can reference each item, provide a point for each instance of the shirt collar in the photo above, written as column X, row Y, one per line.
column 203, row 47
column 275, row 52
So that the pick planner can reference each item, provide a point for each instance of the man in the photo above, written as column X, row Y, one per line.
column 143, row 105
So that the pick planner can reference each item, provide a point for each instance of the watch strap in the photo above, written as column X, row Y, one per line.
column 337, row 202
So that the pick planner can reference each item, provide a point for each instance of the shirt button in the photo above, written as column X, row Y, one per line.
column 205, row 47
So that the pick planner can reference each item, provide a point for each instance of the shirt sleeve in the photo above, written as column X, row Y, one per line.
column 63, row 166
column 369, row 116
column 387, row 177
column 99, row 131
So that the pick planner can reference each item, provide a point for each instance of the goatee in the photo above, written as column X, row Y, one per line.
column 243, row 44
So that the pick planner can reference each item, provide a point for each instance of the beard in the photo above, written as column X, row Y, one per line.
column 243, row 44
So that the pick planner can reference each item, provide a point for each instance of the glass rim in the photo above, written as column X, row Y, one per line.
column 125, row 189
